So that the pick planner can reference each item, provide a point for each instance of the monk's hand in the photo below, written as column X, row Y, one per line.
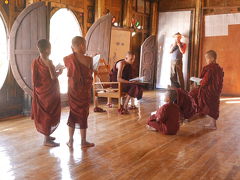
column 59, row 67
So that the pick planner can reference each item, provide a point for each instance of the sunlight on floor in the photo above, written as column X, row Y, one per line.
column 63, row 27
column 232, row 98
column 5, row 165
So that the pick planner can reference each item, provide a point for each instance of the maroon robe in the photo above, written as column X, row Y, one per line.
column 210, row 90
column 46, row 103
column 168, row 116
column 186, row 103
column 79, row 92
column 133, row 90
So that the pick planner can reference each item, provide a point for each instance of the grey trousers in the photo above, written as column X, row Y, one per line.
column 176, row 77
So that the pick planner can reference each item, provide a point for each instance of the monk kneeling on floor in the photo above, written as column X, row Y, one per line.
column 166, row 119
column 210, row 89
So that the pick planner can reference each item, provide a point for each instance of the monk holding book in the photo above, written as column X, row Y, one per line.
column 46, row 103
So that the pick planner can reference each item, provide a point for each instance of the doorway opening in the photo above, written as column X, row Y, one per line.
column 63, row 27
column 4, row 62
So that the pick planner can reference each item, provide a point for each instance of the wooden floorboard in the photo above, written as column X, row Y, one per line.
column 124, row 148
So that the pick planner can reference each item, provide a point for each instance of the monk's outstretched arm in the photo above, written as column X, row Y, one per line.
column 52, row 71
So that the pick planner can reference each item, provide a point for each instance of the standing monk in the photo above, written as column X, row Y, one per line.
column 122, row 72
column 46, row 103
column 210, row 88
column 177, row 50
column 80, row 70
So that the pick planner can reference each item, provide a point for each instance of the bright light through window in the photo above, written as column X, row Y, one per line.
column 3, row 53
column 63, row 27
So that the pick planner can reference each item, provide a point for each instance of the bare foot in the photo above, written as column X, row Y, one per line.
column 52, row 138
column 51, row 144
column 70, row 144
column 87, row 144
column 210, row 126
column 150, row 128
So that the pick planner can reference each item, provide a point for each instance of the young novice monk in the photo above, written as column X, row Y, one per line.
column 166, row 120
column 79, row 89
column 210, row 88
column 46, row 103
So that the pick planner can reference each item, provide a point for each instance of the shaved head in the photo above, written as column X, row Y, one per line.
column 43, row 44
column 130, row 53
column 172, row 94
column 78, row 40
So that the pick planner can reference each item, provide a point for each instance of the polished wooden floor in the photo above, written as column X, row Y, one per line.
column 125, row 149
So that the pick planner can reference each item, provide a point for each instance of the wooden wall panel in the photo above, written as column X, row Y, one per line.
column 120, row 45
column 227, row 48
column 165, row 5
column 221, row 3
column 11, row 98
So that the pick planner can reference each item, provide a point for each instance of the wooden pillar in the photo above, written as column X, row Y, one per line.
column 154, row 17
column 99, row 8
column 198, row 21
column 127, row 13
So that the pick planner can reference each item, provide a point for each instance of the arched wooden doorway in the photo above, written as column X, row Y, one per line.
column 33, row 24
column 63, row 27
column 4, row 63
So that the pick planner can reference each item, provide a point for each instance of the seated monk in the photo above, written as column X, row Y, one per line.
column 80, row 68
column 186, row 103
column 166, row 120
column 210, row 88
column 46, row 103
column 122, row 72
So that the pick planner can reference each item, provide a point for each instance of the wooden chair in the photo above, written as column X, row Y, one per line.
column 102, row 85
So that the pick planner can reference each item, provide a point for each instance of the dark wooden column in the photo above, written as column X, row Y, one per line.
column 198, row 25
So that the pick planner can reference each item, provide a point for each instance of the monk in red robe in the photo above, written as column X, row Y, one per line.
column 186, row 103
column 210, row 88
column 166, row 120
column 80, row 70
column 122, row 72
column 46, row 103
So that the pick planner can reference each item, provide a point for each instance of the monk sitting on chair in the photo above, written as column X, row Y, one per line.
column 122, row 72
column 46, row 103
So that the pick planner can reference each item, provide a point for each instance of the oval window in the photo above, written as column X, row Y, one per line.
column 4, row 63
column 63, row 27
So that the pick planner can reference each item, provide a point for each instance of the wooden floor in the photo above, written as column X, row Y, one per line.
column 125, row 149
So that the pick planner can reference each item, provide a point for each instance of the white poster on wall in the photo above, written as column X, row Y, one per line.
column 217, row 25
column 170, row 23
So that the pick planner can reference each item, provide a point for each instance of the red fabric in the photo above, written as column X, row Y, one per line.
column 46, row 103
column 186, row 103
column 210, row 90
column 168, row 116
column 79, row 92
column 132, row 90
